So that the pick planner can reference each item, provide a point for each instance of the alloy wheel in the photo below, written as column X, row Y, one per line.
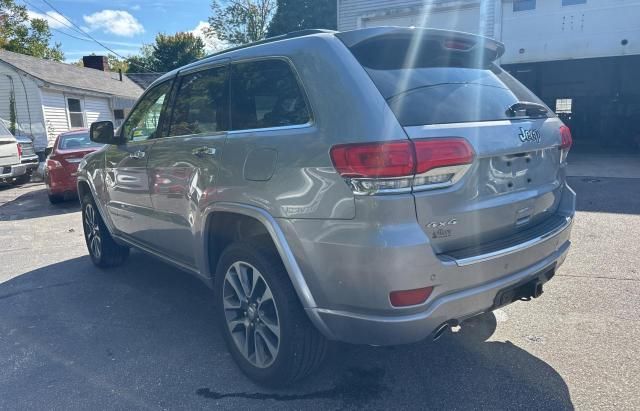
column 251, row 314
column 92, row 231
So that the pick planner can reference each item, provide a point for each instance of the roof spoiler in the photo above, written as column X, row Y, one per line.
column 455, row 40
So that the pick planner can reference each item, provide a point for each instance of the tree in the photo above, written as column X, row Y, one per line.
column 238, row 22
column 293, row 15
column 167, row 53
column 22, row 35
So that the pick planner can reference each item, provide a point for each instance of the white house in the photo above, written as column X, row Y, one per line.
column 582, row 57
column 48, row 98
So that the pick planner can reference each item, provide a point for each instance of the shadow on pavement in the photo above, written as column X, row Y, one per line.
column 607, row 195
column 141, row 335
column 34, row 204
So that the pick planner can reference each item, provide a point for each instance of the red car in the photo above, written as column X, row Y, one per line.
column 62, row 164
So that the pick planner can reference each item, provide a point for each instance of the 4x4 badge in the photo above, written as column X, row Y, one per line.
column 531, row 135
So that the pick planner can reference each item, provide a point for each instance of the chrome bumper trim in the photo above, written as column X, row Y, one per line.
column 514, row 249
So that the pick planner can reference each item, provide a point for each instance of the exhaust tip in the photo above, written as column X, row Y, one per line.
column 442, row 328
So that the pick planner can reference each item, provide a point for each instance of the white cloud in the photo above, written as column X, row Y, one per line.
column 211, row 44
column 118, row 22
column 55, row 20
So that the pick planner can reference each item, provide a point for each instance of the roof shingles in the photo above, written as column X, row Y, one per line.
column 69, row 75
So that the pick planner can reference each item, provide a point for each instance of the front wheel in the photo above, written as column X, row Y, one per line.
column 264, row 325
column 103, row 250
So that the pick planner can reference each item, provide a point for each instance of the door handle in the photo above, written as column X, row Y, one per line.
column 137, row 154
column 202, row 151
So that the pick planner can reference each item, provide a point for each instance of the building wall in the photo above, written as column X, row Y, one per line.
column 475, row 16
column 552, row 31
column 28, row 105
column 54, row 107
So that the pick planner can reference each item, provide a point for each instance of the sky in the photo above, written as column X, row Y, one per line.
column 122, row 25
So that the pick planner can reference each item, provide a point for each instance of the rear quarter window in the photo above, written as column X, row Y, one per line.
column 264, row 94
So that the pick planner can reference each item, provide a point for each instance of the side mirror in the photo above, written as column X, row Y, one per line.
column 102, row 132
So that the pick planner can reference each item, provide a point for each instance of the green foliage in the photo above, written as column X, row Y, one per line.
column 167, row 53
column 12, row 112
column 293, row 15
column 21, row 35
column 238, row 22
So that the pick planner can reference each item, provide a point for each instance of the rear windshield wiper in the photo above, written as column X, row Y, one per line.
column 526, row 109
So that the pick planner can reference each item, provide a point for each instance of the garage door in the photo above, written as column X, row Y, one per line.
column 97, row 109
column 466, row 19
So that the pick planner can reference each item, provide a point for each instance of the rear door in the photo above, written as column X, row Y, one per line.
column 185, row 163
column 442, row 84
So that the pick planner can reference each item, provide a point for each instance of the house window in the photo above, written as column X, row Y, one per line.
column 118, row 114
column 522, row 5
column 76, row 116
column 572, row 2
column 563, row 105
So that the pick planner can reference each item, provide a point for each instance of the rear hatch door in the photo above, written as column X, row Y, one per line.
column 444, row 84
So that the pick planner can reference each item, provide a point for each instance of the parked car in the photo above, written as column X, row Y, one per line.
column 62, row 164
column 376, row 186
column 11, row 168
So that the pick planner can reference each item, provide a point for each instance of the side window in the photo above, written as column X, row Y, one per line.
column 264, row 94
column 145, row 117
column 76, row 116
column 201, row 104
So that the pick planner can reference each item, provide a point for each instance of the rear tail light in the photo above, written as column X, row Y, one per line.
column 566, row 143
column 409, row 297
column 19, row 150
column 53, row 164
column 402, row 166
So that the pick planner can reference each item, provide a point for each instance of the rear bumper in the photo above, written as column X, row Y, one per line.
column 31, row 163
column 16, row 170
column 458, row 306
column 351, row 266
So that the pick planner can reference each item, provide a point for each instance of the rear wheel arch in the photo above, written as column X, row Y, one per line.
column 271, row 232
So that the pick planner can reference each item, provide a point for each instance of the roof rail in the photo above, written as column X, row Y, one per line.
column 290, row 35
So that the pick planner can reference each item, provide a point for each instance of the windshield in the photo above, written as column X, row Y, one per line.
column 439, row 86
column 77, row 141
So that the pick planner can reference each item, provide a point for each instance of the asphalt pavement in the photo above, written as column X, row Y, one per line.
column 141, row 336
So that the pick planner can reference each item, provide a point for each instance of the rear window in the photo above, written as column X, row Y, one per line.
column 76, row 142
column 434, row 85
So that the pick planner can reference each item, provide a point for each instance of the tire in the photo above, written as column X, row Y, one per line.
column 299, row 348
column 103, row 250
column 55, row 198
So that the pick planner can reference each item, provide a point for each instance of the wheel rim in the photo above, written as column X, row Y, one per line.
column 251, row 314
column 92, row 231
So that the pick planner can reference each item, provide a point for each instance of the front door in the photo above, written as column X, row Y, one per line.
column 185, row 164
column 127, row 179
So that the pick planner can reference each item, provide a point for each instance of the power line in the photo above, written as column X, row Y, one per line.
column 92, row 38
column 71, row 35
column 44, row 13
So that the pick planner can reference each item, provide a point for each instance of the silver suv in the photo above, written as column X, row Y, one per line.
column 376, row 186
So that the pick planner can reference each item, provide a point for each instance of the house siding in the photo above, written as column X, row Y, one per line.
column 353, row 14
column 97, row 109
column 55, row 113
column 28, row 104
